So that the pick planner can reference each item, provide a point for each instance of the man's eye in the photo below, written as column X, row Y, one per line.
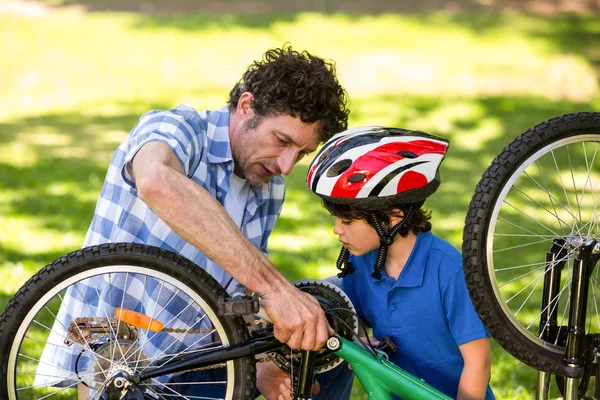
column 282, row 141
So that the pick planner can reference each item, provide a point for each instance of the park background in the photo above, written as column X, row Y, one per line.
column 75, row 76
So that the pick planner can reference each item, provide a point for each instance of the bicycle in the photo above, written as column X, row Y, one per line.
column 534, row 309
column 530, row 247
column 126, row 352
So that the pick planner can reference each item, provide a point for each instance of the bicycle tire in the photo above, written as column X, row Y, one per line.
column 514, row 201
column 24, row 323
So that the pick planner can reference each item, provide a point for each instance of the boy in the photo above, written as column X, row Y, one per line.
column 404, row 281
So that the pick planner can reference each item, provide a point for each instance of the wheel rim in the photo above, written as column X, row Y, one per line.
column 27, row 340
column 553, row 193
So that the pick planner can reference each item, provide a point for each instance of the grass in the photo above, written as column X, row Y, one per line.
column 74, row 84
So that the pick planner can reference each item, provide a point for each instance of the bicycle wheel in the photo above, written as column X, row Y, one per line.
column 45, row 352
column 541, row 188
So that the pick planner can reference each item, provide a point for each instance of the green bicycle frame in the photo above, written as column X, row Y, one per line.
column 381, row 378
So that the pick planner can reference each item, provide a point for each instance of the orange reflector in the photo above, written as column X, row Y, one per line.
column 138, row 320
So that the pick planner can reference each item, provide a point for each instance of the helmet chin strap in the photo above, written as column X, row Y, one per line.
column 385, row 240
column 343, row 264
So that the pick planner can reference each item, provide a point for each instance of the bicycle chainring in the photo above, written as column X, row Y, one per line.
column 341, row 316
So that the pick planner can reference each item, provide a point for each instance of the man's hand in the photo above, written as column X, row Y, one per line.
column 298, row 319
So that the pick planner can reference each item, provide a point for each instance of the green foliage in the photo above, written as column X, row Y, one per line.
column 74, row 84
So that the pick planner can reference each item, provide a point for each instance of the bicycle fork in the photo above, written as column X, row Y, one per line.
column 583, row 266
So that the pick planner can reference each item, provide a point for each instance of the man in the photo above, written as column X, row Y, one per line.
column 207, row 185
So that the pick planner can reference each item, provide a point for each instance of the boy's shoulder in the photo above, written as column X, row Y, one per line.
column 444, row 255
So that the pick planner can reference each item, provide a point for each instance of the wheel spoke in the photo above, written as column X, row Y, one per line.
column 542, row 190
column 520, row 245
column 554, row 214
column 39, row 370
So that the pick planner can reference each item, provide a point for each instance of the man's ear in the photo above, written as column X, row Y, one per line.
column 244, row 105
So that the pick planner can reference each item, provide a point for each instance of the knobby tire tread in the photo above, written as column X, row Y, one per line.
column 141, row 255
column 475, row 234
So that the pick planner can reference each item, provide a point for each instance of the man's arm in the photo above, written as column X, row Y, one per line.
column 475, row 375
column 199, row 219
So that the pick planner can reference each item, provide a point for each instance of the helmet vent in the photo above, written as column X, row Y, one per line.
column 325, row 154
column 357, row 178
column 407, row 154
column 338, row 168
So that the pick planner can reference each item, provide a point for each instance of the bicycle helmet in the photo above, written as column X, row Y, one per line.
column 373, row 168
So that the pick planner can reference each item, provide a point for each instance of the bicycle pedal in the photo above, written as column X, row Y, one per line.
column 386, row 345
column 238, row 304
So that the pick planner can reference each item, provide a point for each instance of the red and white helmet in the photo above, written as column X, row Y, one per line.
column 377, row 167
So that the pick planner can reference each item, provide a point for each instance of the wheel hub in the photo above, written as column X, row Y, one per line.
column 114, row 362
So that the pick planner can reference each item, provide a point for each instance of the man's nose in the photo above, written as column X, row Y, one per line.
column 286, row 161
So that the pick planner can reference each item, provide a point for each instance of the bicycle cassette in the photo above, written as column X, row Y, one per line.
column 341, row 316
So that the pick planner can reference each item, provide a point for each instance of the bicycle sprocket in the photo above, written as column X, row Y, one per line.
column 341, row 316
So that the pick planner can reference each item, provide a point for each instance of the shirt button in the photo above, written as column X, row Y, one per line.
column 219, row 194
column 393, row 307
column 229, row 168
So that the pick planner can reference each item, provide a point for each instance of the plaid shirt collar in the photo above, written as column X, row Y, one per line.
column 218, row 132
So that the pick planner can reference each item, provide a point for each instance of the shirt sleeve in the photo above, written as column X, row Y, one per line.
column 175, row 128
column 461, row 317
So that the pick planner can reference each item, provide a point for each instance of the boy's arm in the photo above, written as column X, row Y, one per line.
column 475, row 375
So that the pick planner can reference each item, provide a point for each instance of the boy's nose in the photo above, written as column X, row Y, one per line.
column 337, row 227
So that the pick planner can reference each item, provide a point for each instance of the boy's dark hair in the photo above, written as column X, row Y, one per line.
column 418, row 219
column 287, row 82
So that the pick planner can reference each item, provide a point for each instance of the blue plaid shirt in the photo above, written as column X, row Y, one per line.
column 201, row 143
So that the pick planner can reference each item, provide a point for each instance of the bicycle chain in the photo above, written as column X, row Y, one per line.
column 87, row 320
column 168, row 330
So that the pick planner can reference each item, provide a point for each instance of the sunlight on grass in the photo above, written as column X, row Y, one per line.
column 419, row 58
column 14, row 276
column 302, row 242
column 19, row 155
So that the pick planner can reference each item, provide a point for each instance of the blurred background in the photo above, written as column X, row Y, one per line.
column 75, row 76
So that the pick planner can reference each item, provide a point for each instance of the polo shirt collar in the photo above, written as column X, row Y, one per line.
column 413, row 272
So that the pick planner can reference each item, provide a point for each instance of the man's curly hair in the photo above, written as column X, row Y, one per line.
column 287, row 82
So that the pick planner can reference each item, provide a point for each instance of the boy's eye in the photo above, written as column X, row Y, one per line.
column 346, row 222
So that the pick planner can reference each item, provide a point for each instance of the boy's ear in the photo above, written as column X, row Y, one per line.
column 396, row 217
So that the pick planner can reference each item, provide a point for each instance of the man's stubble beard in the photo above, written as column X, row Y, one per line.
column 242, row 152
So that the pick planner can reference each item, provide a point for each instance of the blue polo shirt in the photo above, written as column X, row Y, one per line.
column 427, row 312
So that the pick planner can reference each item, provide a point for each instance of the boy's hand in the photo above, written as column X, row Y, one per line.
column 374, row 342
column 275, row 384
column 286, row 389
column 269, row 377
